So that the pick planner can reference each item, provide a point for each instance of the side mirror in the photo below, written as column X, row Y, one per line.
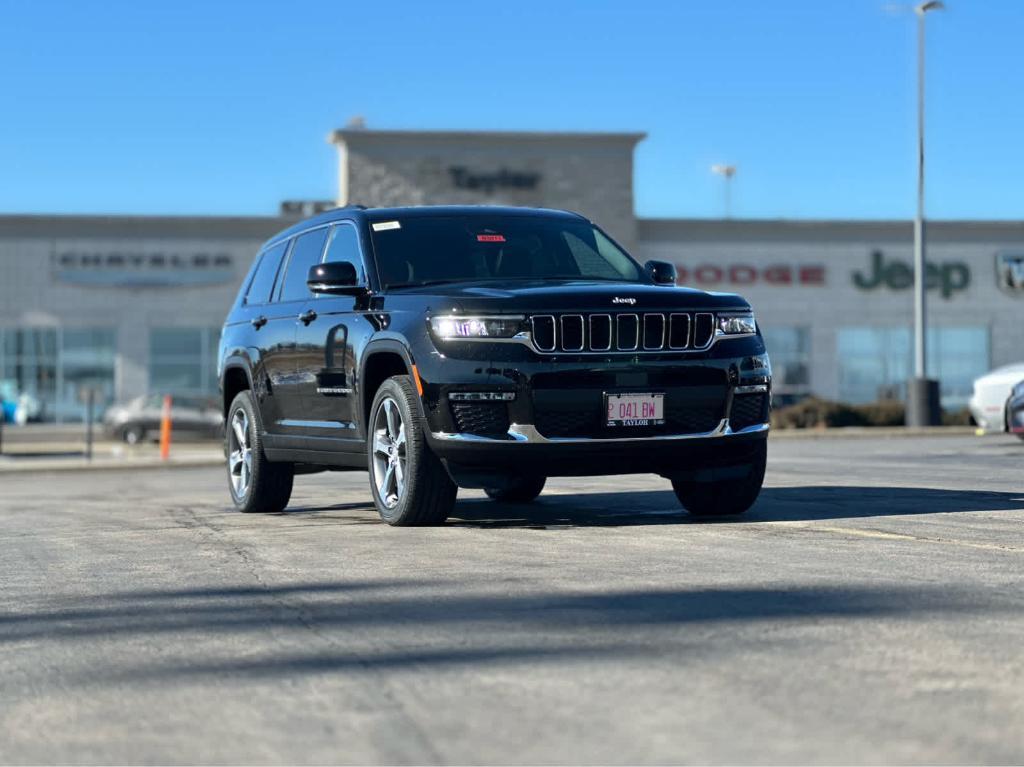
column 335, row 277
column 661, row 272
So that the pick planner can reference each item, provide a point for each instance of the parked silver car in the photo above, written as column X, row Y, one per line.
column 136, row 420
column 988, row 402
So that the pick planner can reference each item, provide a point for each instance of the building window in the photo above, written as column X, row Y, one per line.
column 87, row 362
column 790, row 351
column 48, row 371
column 956, row 356
column 875, row 363
column 183, row 360
column 28, row 371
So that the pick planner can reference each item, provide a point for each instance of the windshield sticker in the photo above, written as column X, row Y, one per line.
column 383, row 226
column 490, row 238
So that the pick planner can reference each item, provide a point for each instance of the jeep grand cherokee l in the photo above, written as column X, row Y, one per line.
column 484, row 347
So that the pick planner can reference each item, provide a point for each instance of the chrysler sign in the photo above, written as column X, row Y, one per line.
column 130, row 267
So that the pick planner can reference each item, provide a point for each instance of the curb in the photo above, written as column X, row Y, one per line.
column 876, row 432
column 51, row 466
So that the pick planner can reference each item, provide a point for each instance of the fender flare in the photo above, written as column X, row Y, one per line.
column 236, row 362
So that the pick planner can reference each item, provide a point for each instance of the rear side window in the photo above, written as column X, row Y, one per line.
column 262, row 284
column 307, row 251
column 344, row 246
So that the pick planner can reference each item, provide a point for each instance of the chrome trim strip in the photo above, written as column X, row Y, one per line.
column 618, row 334
column 661, row 344
column 583, row 333
column 296, row 423
column 481, row 396
column 554, row 332
column 590, row 327
column 334, row 390
column 716, row 335
column 528, row 434
column 689, row 328
column 752, row 389
column 714, row 331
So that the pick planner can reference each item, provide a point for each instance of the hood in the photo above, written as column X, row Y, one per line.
column 525, row 297
column 1006, row 376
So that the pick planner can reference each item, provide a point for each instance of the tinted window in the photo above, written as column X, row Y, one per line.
column 344, row 246
column 596, row 261
column 263, row 281
column 306, row 252
column 479, row 248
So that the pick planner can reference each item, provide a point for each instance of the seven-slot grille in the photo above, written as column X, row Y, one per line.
column 623, row 332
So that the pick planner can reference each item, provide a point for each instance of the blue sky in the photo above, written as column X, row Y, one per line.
column 223, row 107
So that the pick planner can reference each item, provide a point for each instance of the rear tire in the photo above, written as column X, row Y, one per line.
column 408, row 483
column 724, row 497
column 520, row 490
column 256, row 484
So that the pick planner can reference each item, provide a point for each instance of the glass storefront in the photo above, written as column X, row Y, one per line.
column 183, row 360
column 790, row 351
column 48, row 370
column 875, row 363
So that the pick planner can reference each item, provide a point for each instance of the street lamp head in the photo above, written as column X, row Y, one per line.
column 931, row 5
column 724, row 170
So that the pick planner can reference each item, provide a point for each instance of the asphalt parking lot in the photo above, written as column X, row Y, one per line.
column 869, row 609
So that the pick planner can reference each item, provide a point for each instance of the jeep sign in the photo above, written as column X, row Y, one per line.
column 950, row 277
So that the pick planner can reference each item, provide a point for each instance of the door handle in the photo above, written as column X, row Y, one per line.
column 258, row 322
column 307, row 317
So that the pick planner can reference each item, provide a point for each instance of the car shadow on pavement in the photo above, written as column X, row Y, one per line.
column 776, row 504
column 469, row 626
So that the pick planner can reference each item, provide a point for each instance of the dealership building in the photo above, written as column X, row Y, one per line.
column 129, row 305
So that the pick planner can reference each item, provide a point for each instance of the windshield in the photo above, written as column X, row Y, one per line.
column 421, row 250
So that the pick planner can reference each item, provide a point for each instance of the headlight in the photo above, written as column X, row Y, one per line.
column 448, row 328
column 736, row 325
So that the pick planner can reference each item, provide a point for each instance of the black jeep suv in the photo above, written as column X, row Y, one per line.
column 485, row 347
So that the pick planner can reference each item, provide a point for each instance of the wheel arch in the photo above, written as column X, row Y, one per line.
column 237, row 377
column 381, row 360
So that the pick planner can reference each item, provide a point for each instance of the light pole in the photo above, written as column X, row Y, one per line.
column 726, row 172
column 923, row 393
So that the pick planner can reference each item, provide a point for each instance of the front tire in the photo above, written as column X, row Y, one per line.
column 408, row 482
column 133, row 435
column 256, row 484
column 724, row 497
column 519, row 490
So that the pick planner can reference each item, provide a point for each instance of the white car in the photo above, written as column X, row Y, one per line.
column 988, row 403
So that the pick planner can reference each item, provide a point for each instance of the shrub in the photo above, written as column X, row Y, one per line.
column 961, row 417
column 815, row 412
column 888, row 412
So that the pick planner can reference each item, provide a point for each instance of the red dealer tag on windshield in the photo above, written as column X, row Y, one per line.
column 490, row 238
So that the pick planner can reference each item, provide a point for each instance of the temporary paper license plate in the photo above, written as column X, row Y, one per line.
column 635, row 409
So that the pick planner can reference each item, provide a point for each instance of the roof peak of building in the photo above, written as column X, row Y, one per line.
column 344, row 134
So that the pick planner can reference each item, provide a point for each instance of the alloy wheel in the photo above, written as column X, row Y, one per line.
column 389, row 453
column 240, row 453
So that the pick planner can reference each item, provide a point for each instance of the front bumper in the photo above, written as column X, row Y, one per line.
column 549, row 419
column 990, row 417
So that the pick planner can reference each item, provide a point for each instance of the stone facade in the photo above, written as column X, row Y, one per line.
column 590, row 173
